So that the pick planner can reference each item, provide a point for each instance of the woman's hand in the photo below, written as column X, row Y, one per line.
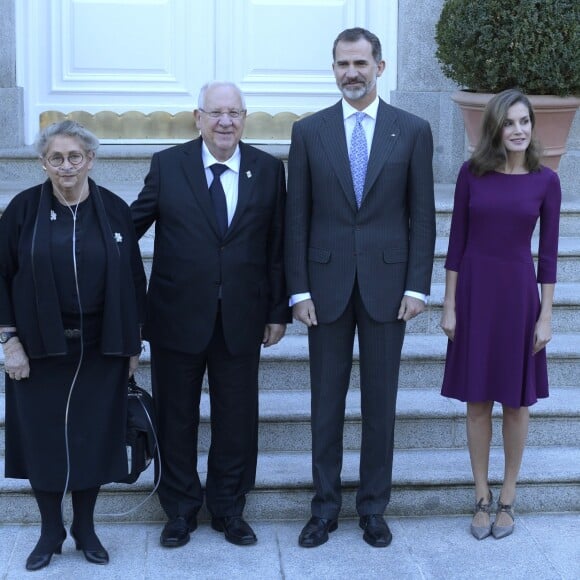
column 542, row 334
column 448, row 322
column 16, row 362
column 133, row 364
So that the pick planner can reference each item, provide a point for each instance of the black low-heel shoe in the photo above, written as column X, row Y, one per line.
column 41, row 555
column 96, row 554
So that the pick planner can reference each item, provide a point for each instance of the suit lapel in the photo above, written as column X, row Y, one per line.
column 385, row 136
column 333, row 140
column 246, row 180
column 195, row 174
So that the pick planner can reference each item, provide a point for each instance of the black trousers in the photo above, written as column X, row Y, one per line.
column 233, row 387
column 331, row 350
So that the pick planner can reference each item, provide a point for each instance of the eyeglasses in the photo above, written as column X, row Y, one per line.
column 75, row 159
column 232, row 114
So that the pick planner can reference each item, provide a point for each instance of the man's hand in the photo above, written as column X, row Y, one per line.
column 410, row 307
column 273, row 333
column 16, row 362
column 304, row 311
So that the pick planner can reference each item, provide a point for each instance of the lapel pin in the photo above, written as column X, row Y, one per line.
column 52, row 215
column 118, row 237
column 248, row 174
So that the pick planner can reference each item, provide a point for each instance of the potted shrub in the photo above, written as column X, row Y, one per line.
column 487, row 46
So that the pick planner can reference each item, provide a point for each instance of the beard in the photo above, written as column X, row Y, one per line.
column 353, row 92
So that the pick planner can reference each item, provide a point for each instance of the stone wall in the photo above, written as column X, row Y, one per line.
column 11, row 108
column 421, row 89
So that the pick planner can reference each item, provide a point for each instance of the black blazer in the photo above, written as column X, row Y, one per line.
column 387, row 245
column 190, row 259
column 28, row 297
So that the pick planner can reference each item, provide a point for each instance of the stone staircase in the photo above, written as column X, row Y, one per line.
column 431, row 472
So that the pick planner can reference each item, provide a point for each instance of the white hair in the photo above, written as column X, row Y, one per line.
column 212, row 84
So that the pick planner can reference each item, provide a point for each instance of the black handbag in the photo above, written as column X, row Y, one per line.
column 141, row 438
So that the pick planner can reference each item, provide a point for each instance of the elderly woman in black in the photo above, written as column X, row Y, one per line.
column 72, row 292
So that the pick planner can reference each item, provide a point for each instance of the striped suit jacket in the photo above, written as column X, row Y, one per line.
column 387, row 244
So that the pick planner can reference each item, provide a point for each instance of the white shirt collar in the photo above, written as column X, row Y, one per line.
column 372, row 110
column 232, row 163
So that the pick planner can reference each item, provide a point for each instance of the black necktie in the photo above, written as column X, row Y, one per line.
column 218, row 197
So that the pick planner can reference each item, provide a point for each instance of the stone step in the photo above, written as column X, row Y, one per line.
column 128, row 163
column 285, row 365
column 425, row 482
column 115, row 164
column 568, row 257
column 569, row 213
column 566, row 312
column 129, row 189
column 425, row 419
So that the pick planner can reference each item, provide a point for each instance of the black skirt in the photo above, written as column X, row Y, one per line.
column 38, row 425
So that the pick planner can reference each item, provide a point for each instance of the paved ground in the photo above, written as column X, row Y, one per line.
column 544, row 546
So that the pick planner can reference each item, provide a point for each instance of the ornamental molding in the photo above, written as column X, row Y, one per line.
column 162, row 125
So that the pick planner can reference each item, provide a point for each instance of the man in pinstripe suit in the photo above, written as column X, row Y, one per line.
column 357, row 262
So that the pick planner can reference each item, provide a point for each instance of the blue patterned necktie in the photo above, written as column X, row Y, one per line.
column 358, row 158
column 218, row 197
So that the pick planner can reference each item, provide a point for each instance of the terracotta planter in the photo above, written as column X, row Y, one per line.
column 554, row 117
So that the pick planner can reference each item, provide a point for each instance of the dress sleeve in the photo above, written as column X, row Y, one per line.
column 10, row 226
column 459, row 221
column 549, row 229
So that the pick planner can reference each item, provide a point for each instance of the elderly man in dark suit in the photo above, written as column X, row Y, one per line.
column 216, row 294
column 360, row 234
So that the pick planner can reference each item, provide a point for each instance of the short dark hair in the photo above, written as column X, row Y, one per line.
column 490, row 153
column 354, row 34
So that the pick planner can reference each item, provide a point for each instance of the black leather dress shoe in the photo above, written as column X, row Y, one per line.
column 377, row 533
column 236, row 530
column 176, row 532
column 315, row 532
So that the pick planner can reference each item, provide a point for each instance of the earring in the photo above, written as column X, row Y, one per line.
column 44, row 167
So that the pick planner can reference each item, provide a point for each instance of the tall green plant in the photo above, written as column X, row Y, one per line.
column 492, row 45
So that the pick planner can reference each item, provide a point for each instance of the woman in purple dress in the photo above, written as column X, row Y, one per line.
column 496, row 323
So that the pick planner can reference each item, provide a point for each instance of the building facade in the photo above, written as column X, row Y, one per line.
column 137, row 67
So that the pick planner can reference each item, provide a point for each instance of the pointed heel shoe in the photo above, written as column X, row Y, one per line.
column 481, row 532
column 41, row 556
column 499, row 532
column 96, row 554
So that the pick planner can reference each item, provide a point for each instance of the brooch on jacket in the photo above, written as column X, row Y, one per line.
column 118, row 237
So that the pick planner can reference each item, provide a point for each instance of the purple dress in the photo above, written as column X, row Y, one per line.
column 497, row 300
